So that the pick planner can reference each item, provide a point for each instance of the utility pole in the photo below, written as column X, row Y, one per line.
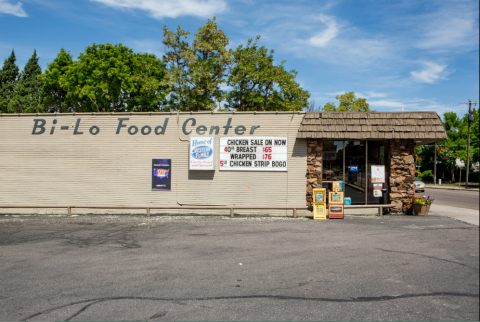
column 471, row 118
column 435, row 166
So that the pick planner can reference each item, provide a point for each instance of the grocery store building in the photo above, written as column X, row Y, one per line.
column 190, row 161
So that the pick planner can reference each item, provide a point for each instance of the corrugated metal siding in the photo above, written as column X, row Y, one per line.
column 115, row 170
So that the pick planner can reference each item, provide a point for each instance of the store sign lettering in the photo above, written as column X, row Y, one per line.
column 40, row 127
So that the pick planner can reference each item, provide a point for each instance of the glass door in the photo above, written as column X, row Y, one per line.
column 355, row 185
column 376, row 152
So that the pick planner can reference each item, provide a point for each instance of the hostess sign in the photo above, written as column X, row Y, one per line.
column 254, row 154
column 202, row 156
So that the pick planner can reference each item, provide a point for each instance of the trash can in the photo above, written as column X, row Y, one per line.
column 385, row 201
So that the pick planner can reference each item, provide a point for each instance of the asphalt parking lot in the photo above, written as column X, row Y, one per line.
column 58, row 268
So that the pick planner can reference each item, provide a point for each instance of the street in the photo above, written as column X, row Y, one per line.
column 58, row 268
column 468, row 199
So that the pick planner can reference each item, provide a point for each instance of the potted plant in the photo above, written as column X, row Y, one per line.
column 420, row 206
column 428, row 202
column 444, row 153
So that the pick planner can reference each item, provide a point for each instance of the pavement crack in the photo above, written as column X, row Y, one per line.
column 426, row 256
column 91, row 302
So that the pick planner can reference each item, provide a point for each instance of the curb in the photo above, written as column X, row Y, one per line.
column 451, row 188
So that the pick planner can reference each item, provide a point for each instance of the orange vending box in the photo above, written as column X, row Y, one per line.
column 335, row 207
column 335, row 212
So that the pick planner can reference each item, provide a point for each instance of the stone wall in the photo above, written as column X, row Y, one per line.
column 402, row 174
column 314, row 167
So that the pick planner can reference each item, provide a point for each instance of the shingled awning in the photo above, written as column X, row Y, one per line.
column 423, row 127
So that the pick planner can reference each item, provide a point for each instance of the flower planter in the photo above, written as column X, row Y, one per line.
column 420, row 209
column 428, row 209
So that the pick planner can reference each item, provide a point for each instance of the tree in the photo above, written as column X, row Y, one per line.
column 151, row 86
column 27, row 95
column 113, row 78
column 348, row 103
column 55, row 99
column 258, row 85
column 8, row 78
column 208, row 70
column 455, row 147
column 196, row 71
column 475, row 137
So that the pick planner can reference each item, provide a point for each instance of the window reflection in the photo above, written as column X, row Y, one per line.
column 376, row 156
column 332, row 161
column 355, row 185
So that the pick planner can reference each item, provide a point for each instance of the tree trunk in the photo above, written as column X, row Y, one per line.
column 452, row 170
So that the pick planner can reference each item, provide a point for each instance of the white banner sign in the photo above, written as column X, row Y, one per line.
column 202, row 153
column 378, row 173
column 254, row 154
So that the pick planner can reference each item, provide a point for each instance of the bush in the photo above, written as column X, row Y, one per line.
column 474, row 177
column 417, row 173
column 427, row 176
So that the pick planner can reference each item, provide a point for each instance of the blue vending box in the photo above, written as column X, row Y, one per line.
column 347, row 201
column 341, row 186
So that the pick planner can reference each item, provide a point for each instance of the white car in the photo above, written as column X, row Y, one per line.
column 419, row 185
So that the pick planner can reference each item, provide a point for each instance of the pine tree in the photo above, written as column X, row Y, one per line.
column 8, row 79
column 27, row 94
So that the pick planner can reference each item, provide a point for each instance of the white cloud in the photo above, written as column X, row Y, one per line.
column 337, row 93
column 372, row 94
column 12, row 9
column 389, row 104
column 412, row 105
column 171, row 8
column 452, row 28
column 366, row 94
column 146, row 46
column 321, row 39
column 431, row 73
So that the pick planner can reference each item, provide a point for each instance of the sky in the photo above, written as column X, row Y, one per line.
column 413, row 55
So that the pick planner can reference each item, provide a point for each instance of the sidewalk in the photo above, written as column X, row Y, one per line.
column 469, row 216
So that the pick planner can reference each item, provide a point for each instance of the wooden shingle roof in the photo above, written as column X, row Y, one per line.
column 424, row 127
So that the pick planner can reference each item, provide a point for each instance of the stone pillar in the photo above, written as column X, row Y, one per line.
column 314, row 167
column 402, row 176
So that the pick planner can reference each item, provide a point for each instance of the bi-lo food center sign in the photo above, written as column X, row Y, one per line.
column 208, row 159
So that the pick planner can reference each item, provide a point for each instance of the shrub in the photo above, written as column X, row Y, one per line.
column 427, row 176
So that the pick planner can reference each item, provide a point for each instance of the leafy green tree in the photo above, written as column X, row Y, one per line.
column 151, row 85
column 348, row 103
column 457, row 140
column 196, row 70
column 475, row 137
column 209, row 68
column 8, row 78
column 258, row 85
column 55, row 99
column 455, row 147
column 113, row 78
column 177, row 59
column 27, row 95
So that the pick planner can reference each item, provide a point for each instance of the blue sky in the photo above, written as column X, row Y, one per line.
column 411, row 54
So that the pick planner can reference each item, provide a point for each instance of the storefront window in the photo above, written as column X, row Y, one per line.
column 353, row 169
column 332, row 161
column 376, row 156
column 355, row 179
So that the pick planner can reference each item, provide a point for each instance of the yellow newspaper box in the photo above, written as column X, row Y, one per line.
column 319, row 211
column 319, row 204
column 319, row 195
